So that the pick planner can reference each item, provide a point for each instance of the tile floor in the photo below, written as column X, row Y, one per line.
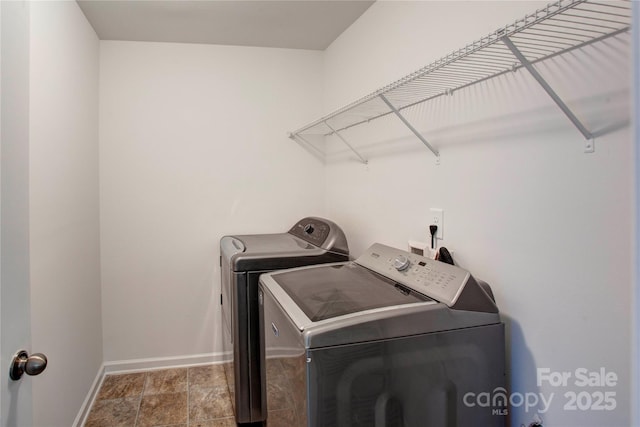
column 182, row 397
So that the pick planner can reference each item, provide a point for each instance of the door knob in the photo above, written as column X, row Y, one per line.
column 22, row 363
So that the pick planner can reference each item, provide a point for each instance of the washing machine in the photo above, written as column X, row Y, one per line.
column 390, row 339
column 243, row 258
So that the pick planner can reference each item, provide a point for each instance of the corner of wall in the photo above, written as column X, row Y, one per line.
column 83, row 413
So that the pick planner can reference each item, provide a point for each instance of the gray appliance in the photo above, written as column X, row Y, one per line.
column 391, row 339
column 242, row 259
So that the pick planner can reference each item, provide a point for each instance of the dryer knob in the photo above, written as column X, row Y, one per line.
column 308, row 229
column 401, row 263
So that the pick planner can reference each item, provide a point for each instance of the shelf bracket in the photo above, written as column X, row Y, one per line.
column 362, row 159
column 589, row 145
column 411, row 128
column 308, row 146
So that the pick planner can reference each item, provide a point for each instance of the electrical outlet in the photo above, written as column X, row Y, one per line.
column 437, row 218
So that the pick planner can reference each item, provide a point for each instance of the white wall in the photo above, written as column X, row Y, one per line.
column 549, row 227
column 63, row 180
column 193, row 146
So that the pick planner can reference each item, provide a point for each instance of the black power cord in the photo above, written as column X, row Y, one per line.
column 443, row 254
column 433, row 229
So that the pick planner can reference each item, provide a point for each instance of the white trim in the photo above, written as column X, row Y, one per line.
column 81, row 418
column 154, row 363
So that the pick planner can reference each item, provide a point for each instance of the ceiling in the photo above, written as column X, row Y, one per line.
column 294, row 24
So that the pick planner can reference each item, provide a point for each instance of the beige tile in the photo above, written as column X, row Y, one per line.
column 229, row 375
column 209, row 404
column 163, row 410
column 220, row 422
column 285, row 418
column 207, row 376
column 114, row 413
column 166, row 381
column 228, row 371
column 159, row 399
column 232, row 398
column 119, row 386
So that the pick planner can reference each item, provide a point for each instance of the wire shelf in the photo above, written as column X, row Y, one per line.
column 558, row 28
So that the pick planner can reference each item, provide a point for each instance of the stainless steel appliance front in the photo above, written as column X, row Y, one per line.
column 243, row 258
column 367, row 344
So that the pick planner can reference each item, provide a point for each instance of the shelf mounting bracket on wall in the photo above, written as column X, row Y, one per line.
column 335, row 132
column 411, row 128
column 308, row 145
column 589, row 144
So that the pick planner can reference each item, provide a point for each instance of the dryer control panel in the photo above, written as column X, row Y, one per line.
column 321, row 233
column 442, row 282
column 313, row 231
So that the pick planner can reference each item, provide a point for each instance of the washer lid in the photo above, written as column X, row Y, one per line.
column 326, row 292
column 376, row 297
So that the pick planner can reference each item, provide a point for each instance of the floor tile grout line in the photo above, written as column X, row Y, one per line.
column 144, row 383
column 189, row 379
column 188, row 397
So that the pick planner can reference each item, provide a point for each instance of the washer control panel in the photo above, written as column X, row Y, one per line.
column 401, row 263
column 435, row 279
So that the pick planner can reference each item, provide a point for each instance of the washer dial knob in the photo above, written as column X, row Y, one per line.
column 309, row 228
column 401, row 263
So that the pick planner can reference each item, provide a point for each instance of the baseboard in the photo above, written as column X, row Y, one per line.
column 81, row 418
column 154, row 363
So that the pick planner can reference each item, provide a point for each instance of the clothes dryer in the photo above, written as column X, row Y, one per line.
column 243, row 258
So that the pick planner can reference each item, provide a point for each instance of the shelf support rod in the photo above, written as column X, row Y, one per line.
column 362, row 159
column 407, row 124
column 565, row 109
